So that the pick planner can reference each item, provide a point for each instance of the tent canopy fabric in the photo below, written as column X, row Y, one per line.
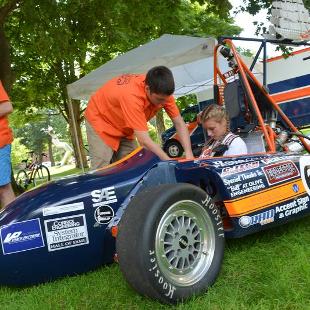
column 189, row 58
column 172, row 51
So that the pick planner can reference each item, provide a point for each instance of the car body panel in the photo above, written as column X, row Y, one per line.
column 64, row 228
column 76, row 204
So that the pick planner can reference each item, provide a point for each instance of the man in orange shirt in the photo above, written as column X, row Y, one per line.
column 120, row 110
column 6, row 138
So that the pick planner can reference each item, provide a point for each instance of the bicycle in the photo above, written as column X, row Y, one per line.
column 34, row 173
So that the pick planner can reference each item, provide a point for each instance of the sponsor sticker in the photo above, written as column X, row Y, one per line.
column 294, row 207
column 239, row 168
column 104, row 196
column 280, row 172
column 273, row 159
column 246, row 187
column 227, row 163
column 21, row 236
column 295, row 188
column 260, row 218
column 63, row 208
column 104, row 214
column 66, row 232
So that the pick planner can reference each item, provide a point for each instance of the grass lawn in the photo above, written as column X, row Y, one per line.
column 59, row 172
column 269, row 270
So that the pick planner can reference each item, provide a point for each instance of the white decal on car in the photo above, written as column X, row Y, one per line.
column 104, row 196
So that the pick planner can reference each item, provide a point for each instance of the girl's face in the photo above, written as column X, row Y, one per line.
column 216, row 130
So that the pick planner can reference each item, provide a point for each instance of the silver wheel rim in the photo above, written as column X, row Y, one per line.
column 185, row 243
column 174, row 150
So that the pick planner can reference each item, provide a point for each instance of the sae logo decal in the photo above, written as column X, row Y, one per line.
column 21, row 236
column 304, row 163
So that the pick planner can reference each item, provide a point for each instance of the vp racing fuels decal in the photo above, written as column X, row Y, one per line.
column 21, row 236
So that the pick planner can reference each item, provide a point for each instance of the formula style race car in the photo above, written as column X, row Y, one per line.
column 165, row 221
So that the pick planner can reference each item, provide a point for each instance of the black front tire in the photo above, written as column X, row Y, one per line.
column 170, row 242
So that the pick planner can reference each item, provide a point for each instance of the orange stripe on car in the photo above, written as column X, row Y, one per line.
column 291, row 95
column 291, row 54
column 263, row 199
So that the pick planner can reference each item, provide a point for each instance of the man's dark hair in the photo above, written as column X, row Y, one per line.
column 160, row 80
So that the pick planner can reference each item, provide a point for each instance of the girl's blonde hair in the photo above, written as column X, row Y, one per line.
column 216, row 112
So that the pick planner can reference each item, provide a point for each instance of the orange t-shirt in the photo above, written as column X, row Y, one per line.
column 121, row 106
column 6, row 136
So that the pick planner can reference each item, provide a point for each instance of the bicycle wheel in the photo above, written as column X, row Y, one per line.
column 22, row 180
column 41, row 175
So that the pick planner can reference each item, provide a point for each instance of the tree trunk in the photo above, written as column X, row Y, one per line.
column 50, row 151
column 160, row 124
column 77, row 120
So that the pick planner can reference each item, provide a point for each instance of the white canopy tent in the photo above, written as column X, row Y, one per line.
column 173, row 51
column 189, row 58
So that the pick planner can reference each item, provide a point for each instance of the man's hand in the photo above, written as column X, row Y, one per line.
column 145, row 140
column 184, row 136
column 5, row 108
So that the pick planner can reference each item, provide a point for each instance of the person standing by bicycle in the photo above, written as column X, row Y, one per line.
column 6, row 137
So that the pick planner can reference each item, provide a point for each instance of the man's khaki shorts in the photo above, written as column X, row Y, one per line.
column 101, row 154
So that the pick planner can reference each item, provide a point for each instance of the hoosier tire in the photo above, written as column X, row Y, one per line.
column 170, row 242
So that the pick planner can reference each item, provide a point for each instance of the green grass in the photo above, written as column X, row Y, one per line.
column 268, row 270
column 59, row 172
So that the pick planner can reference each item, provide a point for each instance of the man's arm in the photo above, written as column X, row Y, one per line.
column 182, row 130
column 145, row 140
column 5, row 108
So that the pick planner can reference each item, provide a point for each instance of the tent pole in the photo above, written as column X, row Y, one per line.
column 75, row 133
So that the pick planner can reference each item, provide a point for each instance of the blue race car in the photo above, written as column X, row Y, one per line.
column 165, row 222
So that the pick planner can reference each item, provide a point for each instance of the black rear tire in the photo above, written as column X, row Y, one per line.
column 173, row 148
column 170, row 242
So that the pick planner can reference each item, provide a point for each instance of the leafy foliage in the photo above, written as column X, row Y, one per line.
column 19, row 153
column 54, row 43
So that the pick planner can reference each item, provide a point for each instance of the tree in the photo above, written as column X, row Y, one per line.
column 56, row 42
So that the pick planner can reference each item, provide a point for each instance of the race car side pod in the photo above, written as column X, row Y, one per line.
column 271, row 146
column 276, row 106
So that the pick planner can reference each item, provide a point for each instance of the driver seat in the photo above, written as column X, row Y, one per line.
column 235, row 104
